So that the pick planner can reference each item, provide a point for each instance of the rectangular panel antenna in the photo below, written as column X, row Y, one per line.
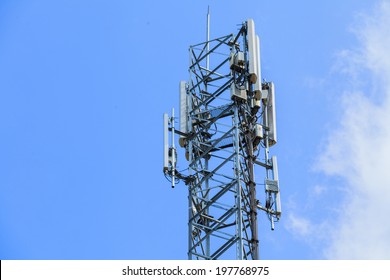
column 251, row 39
column 271, row 114
column 166, row 144
column 277, row 195
column 183, row 111
column 257, row 86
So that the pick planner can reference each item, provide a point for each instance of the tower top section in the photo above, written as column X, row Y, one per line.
column 227, row 125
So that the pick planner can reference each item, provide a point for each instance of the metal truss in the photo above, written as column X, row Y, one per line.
column 222, row 213
column 228, row 129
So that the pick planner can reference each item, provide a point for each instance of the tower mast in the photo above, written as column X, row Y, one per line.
column 227, row 124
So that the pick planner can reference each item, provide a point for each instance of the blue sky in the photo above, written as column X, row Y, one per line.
column 84, row 84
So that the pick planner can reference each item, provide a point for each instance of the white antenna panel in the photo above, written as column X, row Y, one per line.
column 183, row 111
column 251, row 39
column 276, row 178
column 257, row 87
column 166, row 144
column 271, row 115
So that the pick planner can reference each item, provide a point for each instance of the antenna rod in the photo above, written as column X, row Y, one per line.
column 208, row 39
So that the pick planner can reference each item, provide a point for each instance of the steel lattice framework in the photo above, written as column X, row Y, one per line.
column 227, row 124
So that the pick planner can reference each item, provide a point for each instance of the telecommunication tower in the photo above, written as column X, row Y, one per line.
column 227, row 125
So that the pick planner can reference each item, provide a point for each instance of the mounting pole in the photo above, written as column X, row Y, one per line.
column 173, row 149
column 252, row 196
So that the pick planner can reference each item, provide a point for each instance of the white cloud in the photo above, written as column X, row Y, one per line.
column 317, row 191
column 358, row 149
column 298, row 225
column 302, row 227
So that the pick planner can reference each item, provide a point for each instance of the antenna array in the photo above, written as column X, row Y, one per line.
column 227, row 126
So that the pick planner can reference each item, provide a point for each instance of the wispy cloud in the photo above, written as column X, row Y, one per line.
column 304, row 228
column 358, row 148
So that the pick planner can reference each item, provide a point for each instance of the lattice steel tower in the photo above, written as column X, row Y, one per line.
column 227, row 126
